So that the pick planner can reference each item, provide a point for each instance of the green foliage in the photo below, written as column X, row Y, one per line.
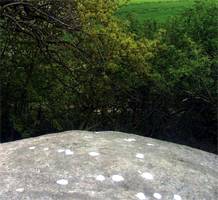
column 81, row 75
column 200, row 23
column 29, row 34
column 188, row 52
column 184, row 68
column 113, row 63
column 99, row 72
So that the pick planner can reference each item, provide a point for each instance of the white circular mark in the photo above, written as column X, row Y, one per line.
column 157, row 196
column 60, row 150
column 140, row 155
column 150, row 144
column 92, row 193
column 130, row 139
column 31, row 148
column 93, row 153
column 117, row 178
column 141, row 196
column 88, row 137
column 68, row 152
column 147, row 176
column 19, row 189
column 46, row 149
column 100, row 178
column 177, row 197
column 62, row 182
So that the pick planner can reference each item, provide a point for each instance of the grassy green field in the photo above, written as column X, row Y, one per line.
column 158, row 10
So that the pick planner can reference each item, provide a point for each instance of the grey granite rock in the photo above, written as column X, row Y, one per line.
column 80, row 165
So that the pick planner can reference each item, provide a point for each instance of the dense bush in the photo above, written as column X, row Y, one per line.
column 185, row 75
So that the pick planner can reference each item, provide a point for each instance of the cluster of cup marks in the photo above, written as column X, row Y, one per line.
column 115, row 178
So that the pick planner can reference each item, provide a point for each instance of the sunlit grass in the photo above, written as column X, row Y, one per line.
column 159, row 10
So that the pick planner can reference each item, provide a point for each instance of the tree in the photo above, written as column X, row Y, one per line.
column 184, row 70
column 56, row 76
column 30, row 31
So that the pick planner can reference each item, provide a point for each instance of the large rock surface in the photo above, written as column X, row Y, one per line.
column 79, row 165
